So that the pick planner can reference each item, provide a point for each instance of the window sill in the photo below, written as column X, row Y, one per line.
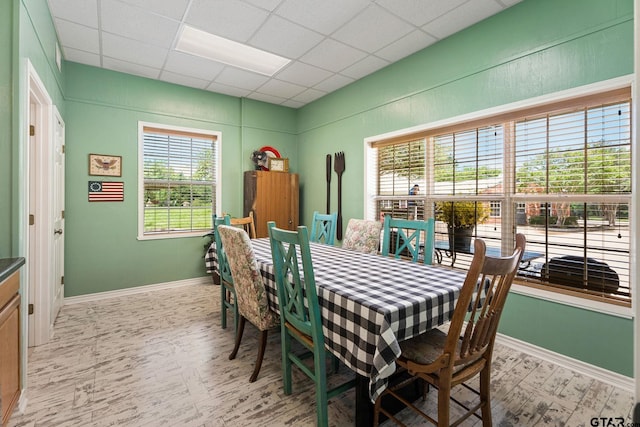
column 609, row 308
column 176, row 235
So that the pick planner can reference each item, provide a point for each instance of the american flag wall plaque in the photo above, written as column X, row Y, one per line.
column 106, row 191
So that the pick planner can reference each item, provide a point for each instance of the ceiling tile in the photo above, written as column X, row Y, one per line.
column 292, row 104
column 462, row 17
column 419, row 12
column 281, row 89
column 133, row 51
column 358, row 32
column 411, row 43
column 284, row 38
column 333, row 83
column 303, row 74
column 331, row 42
column 365, row 67
column 194, row 66
column 309, row 95
column 81, row 57
column 268, row 5
column 509, row 3
column 228, row 90
column 323, row 16
column 231, row 76
column 130, row 68
column 140, row 25
column 83, row 12
column 180, row 79
column 231, row 19
column 78, row 36
column 173, row 9
column 266, row 98
column 332, row 55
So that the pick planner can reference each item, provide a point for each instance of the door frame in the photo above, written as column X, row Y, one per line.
column 37, row 176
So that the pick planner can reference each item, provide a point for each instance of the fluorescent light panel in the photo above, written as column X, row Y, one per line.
column 207, row 45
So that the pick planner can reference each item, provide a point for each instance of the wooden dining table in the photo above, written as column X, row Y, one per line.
column 369, row 303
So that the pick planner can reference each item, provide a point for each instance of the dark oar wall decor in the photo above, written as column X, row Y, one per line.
column 329, row 172
column 339, row 168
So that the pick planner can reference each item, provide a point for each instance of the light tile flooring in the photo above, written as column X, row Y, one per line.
column 161, row 358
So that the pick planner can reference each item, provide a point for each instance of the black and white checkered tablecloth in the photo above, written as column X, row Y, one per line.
column 369, row 303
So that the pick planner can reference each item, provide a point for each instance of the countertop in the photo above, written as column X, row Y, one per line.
column 8, row 266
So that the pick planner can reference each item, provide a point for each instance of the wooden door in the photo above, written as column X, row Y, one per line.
column 272, row 196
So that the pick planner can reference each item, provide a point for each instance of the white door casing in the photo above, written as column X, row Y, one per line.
column 38, row 177
column 58, row 215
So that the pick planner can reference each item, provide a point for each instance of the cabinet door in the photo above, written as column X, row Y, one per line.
column 9, row 356
column 274, row 197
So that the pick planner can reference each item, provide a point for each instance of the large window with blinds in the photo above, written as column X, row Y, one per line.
column 178, row 180
column 559, row 173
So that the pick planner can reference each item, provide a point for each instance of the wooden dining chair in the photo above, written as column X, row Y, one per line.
column 323, row 228
column 362, row 235
column 227, row 292
column 300, row 314
column 251, row 295
column 445, row 360
column 408, row 234
column 247, row 223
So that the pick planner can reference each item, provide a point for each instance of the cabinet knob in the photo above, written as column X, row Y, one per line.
column 58, row 231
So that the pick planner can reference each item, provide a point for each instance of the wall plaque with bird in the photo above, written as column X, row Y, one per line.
column 105, row 165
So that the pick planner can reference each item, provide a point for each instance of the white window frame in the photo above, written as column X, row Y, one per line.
column 370, row 181
column 217, row 195
column 496, row 208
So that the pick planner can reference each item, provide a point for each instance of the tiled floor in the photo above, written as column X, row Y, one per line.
column 160, row 358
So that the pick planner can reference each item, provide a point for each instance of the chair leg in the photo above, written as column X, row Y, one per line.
column 485, row 395
column 444, row 396
column 263, row 345
column 238, row 338
column 320, row 371
column 286, row 362
column 223, row 304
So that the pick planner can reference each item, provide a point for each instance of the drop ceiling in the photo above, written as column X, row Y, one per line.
column 331, row 43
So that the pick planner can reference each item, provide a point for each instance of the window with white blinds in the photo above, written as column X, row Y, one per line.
column 179, row 188
column 400, row 176
column 560, row 174
column 469, row 161
column 573, row 176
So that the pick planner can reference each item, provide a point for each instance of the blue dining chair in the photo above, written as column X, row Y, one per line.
column 407, row 238
column 300, row 314
column 227, row 292
column 323, row 228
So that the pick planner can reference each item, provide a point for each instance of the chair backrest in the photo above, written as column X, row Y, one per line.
column 250, row 292
column 247, row 224
column 362, row 235
column 323, row 228
column 223, row 266
column 293, row 270
column 475, row 319
column 408, row 234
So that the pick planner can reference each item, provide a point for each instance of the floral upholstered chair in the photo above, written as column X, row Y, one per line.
column 362, row 235
column 251, row 295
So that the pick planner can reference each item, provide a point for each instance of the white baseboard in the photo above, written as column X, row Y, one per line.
column 22, row 401
column 600, row 374
column 205, row 280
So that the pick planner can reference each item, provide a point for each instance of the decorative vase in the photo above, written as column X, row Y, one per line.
column 460, row 238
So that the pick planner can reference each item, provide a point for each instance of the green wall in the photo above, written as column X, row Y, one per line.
column 6, row 125
column 531, row 49
column 103, row 110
